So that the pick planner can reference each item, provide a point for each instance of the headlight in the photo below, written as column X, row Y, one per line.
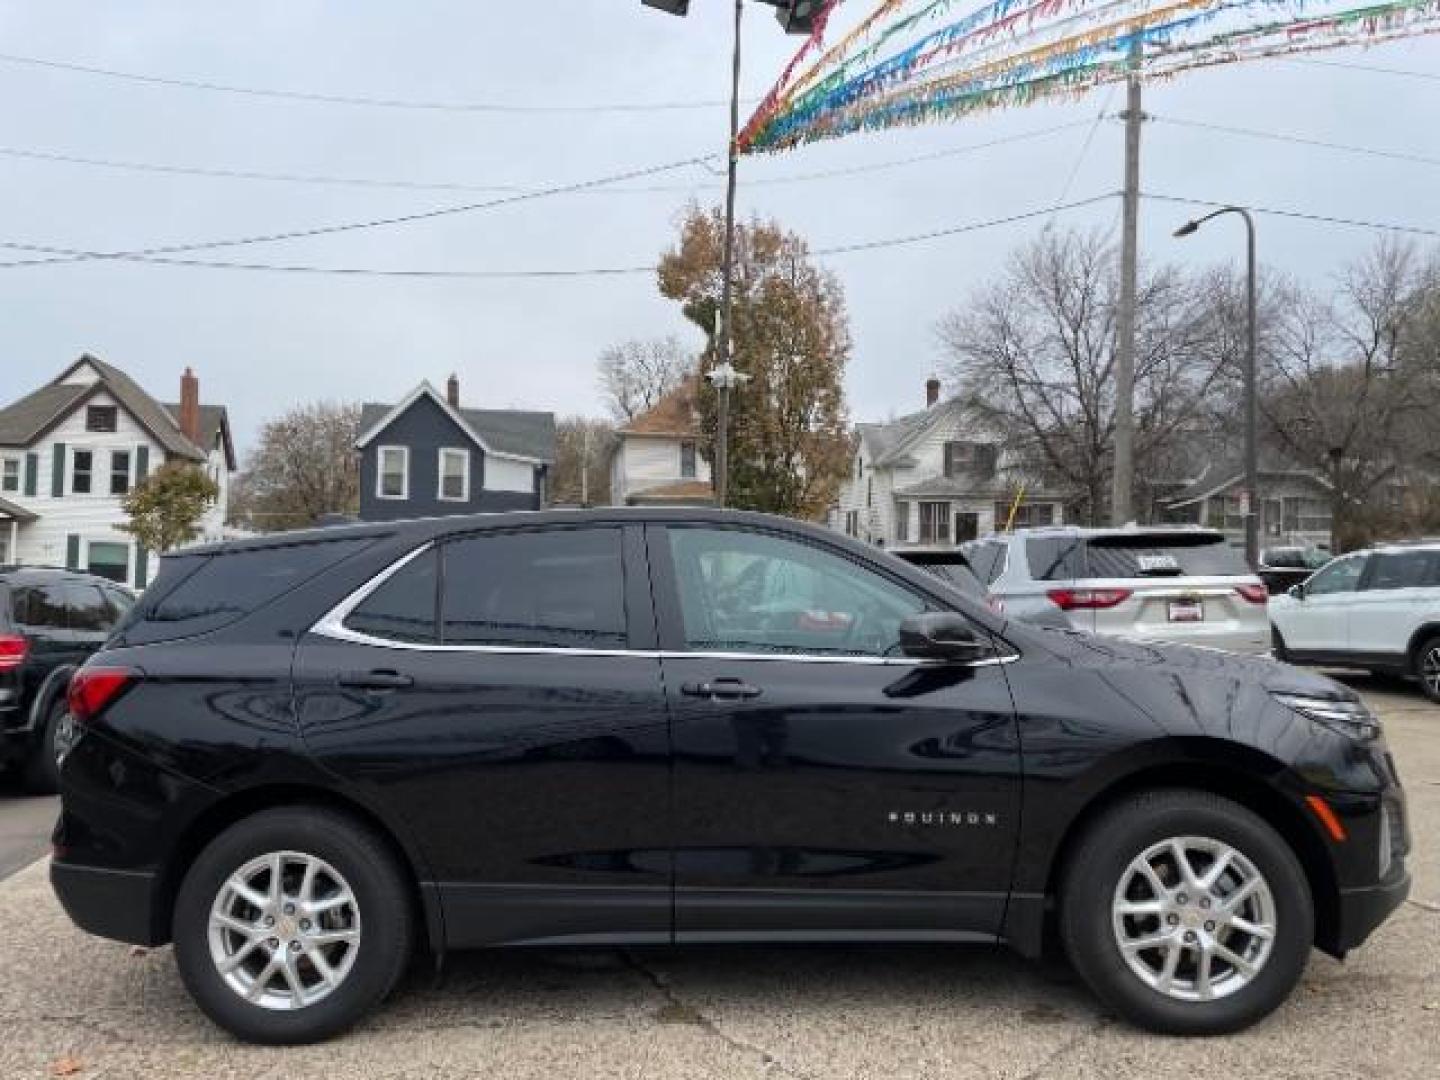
column 1350, row 718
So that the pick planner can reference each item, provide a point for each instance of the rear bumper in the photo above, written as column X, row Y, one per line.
column 116, row 904
column 1364, row 909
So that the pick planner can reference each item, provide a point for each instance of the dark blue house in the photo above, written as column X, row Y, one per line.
column 428, row 457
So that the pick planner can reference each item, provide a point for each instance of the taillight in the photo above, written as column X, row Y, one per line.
column 1088, row 599
column 13, row 650
column 1256, row 594
column 93, row 690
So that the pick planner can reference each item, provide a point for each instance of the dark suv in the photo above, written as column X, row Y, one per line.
column 302, row 754
column 50, row 622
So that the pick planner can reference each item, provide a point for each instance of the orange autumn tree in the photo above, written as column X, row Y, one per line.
column 789, row 433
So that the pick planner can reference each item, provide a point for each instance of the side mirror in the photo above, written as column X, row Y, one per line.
column 1297, row 592
column 941, row 635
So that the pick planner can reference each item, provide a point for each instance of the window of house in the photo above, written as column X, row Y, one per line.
column 455, row 475
column 119, row 472
column 934, row 523
column 562, row 589
column 687, row 460
column 969, row 456
column 101, row 418
column 109, row 560
column 393, row 479
column 852, row 522
column 902, row 523
column 10, row 475
column 404, row 607
column 749, row 592
column 1027, row 516
column 82, row 464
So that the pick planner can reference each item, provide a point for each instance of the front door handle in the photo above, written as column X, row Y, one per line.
column 376, row 680
column 721, row 690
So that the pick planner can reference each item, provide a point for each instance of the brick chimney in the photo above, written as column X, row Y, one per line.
column 932, row 392
column 190, row 407
column 452, row 391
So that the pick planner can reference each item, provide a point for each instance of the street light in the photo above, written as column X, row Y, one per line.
column 1252, row 401
column 724, row 378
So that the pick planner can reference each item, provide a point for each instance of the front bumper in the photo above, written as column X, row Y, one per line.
column 1364, row 909
column 117, row 904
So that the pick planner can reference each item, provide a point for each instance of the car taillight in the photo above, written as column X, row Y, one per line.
column 93, row 690
column 1088, row 599
column 13, row 650
column 1256, row 594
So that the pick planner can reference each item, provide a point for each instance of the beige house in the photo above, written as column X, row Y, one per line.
column 657, row 459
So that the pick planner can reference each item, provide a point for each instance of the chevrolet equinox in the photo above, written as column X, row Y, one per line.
column 302, row 757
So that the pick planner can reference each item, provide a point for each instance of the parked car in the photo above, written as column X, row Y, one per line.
column 1176, row 585
column 303, row 753
column 50, row 622
column 1283, row 567
column 1377, row 610
column 951, row 566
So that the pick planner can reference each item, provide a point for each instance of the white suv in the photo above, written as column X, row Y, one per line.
column 1176, row 584
column 1378, row 610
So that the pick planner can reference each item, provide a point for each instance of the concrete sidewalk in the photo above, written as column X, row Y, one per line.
column 728, row 1013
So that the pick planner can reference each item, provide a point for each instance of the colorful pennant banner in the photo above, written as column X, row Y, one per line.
column 924, row 61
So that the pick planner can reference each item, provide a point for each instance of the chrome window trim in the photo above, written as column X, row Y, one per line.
column 332, row 625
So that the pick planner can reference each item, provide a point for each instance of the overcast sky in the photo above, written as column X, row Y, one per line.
column 263, row 342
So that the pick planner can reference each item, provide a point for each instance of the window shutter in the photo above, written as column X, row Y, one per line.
column 32, row 469
column 57, row 470
column 72, row 551
column 142, row 562
column 142, row 463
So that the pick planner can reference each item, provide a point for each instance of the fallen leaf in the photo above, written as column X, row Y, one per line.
column 68, row 1065
column 139, row 950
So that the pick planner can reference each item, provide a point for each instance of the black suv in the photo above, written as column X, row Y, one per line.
column 51, row 621
column 302, row 754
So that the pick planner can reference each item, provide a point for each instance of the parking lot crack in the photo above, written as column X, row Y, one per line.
column 677, row 1010
column 1078, row 1039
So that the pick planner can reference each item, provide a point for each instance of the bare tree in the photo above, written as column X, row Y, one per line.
column 304, row 467
column 582, row 461
column 635, row 375
column 1035, row 352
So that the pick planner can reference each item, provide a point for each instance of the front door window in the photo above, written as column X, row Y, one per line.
column 1341, row 576
column 753, row 593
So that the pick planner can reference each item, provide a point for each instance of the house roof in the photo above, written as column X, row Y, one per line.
column 888, row 443
column 9, row 511
column 673, row 414
column 504, row 432
column 214, row 420
column 26, row 420
column 1221, row 474
column 965, row 484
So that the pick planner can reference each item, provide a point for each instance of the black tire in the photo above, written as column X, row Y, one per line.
column 41, row 774
column 1428, row 649
column 1095, row 868
column 386, row 919
column 1277, row 646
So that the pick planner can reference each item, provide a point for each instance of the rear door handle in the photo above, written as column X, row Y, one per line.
column 721, row 690
column 376, row 680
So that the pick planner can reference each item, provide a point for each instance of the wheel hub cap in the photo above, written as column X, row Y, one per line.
column 1194, row 918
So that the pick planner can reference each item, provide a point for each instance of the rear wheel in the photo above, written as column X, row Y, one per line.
column 1186, row 913
column 292, row 925
column 1427, row 667
column 42, row 768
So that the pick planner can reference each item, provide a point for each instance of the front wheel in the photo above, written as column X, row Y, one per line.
column 291, row 925
column 1186, row 913
column 1427, row 667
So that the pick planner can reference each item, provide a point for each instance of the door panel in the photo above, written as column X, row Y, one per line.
column 523, row 744
column 826, row 795
column 1401, row 591
column 1321, row 622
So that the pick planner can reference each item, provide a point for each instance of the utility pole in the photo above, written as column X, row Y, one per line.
column 1122, row 498
column 585, row 465
column 724, row 340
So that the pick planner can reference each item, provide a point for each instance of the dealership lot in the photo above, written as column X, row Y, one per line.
column 75, row 1005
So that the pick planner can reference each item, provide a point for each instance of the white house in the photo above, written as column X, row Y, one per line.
column 936, row 477
column 1296, row 504
column 71, row 450
column 657, row 460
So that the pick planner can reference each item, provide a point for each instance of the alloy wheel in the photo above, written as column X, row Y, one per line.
column 284, row 930
column 1194, row 919
column 1430, row 671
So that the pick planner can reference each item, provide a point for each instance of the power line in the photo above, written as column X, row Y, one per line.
column 614, row 271
column 1251, row 133
column 360, row 100
column 354, row 226
column 1374, row 69
column 1298, row 215
column 55, row 157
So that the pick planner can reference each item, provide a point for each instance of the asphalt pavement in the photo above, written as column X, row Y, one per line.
column 25, row 824
column 71, row 1005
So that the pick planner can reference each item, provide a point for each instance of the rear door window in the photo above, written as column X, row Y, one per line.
column 89, row 613
column 1201, row 555
column 1404, row 570
column 558, row 589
